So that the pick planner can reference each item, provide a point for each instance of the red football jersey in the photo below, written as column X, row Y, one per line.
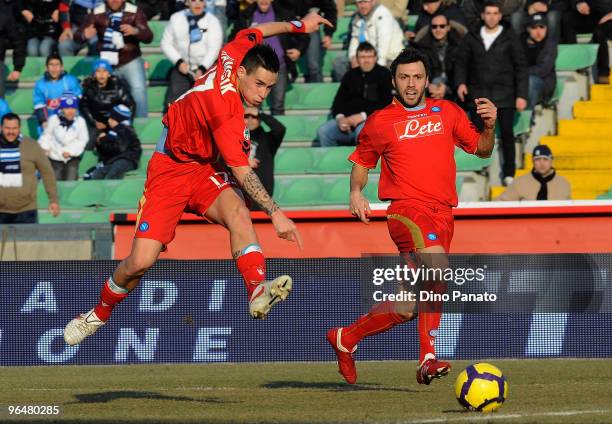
column 417, row 149
column 209, row 118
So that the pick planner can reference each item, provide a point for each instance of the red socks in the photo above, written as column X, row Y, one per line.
column 252, row 266
column 430, row 314
column 110, row 296
column 381, row 318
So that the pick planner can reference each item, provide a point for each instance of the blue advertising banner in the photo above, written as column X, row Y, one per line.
column 197, row 311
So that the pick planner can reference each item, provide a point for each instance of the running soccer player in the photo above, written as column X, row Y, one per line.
column 201, row 158
column 416, row 138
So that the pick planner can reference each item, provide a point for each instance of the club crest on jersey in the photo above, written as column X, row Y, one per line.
column 436, row 109
column 419, row 127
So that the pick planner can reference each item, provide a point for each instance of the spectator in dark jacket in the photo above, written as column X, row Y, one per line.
column 120, row 28
column 551, row 8
column 101, row 92
column 12, row 36
column 491, row 63
column 440, row 43
column 591, row 16
column 264, row 144
column 314, row 53
column 511, row 12
column 363, row 91
column 42, row 17
column 73, row 14
column 118, row 149
column 289, row 48
column 541, row 52
column 437, row 7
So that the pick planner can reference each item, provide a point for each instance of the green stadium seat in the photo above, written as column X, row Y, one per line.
column 371, row 191
column 293, row 161
column 466, row 162
column 148, row 129
column 459, row 184
column 34, row 68
column 157, row 67
column 157, row 27
column 301, row 127
column 82, row 194
column 342, row 29
column 310, row 96
column 29, row 128
column 88, row 160
column 20, row 100
column 411, row 22
column 522, row 122
column 328, row 60
column 124, row 193
column 79, row 66
column 573, row 57
column 334, row 160
column 558, row 91
column 337, row 193
column 298, row 191
column 156, row 98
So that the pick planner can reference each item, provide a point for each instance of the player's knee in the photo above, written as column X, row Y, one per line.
column 240, row 220
column 137, row 266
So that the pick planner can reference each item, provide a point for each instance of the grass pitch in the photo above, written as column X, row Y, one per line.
column 541, row 391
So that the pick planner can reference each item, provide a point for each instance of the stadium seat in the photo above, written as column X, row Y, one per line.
column 148, row 129
column 157, row 67
column 20, row 100
column 156, row 98
column 301, row 127
column 79, row 66
column 310, row 96
column 298, row 191
column 328, row 60
column 466, row 162
column 82, row 194
column 342, row 29
column 123, row 193
column 371, row 191
column 33, row 69
column 336, row 193
column 334, row 160
column 411, row 22
column 573, row 57
column 157, row 27
column 293, row 161
column 88, row 160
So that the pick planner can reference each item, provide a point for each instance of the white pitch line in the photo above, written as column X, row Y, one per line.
column 491, row 417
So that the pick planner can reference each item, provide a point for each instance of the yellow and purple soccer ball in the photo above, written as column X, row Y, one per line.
column 481, row 387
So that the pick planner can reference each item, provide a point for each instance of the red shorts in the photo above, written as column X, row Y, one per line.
column 173, row 188
column 415, row 226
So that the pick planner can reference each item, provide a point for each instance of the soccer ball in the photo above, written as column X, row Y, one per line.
column 481, row 387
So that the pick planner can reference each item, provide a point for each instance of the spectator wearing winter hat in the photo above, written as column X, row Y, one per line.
column 542, row 183
column 65, row 138
column 101, row 92
column 49, row 89
column 191, row 41
column 541, row 51
column 118, row 149
column 120, row 28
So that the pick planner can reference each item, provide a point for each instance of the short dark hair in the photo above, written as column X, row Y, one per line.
column 491, row 3
column 54, row 56
column 11, row 117
column 364, row 46
column 410, row 55
column 261, row 56
column 435, row 15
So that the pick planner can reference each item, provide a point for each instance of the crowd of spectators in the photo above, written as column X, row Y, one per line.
column 504, row 50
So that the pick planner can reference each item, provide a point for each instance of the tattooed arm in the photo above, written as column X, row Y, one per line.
column 250, row 183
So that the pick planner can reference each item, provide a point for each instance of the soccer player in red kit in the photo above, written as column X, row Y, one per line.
column 200, row 160
column 416, row 138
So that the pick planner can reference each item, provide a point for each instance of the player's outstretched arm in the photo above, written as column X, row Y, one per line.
column 309, row 23
column 359, row 205
column 251, row 184
column 488, row 113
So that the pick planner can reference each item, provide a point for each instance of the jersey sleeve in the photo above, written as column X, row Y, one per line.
column 239, row 46
column 368, row 151
column 465, row 132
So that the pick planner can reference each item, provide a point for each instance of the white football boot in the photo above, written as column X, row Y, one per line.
column 82, row 326
column 268, row 294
